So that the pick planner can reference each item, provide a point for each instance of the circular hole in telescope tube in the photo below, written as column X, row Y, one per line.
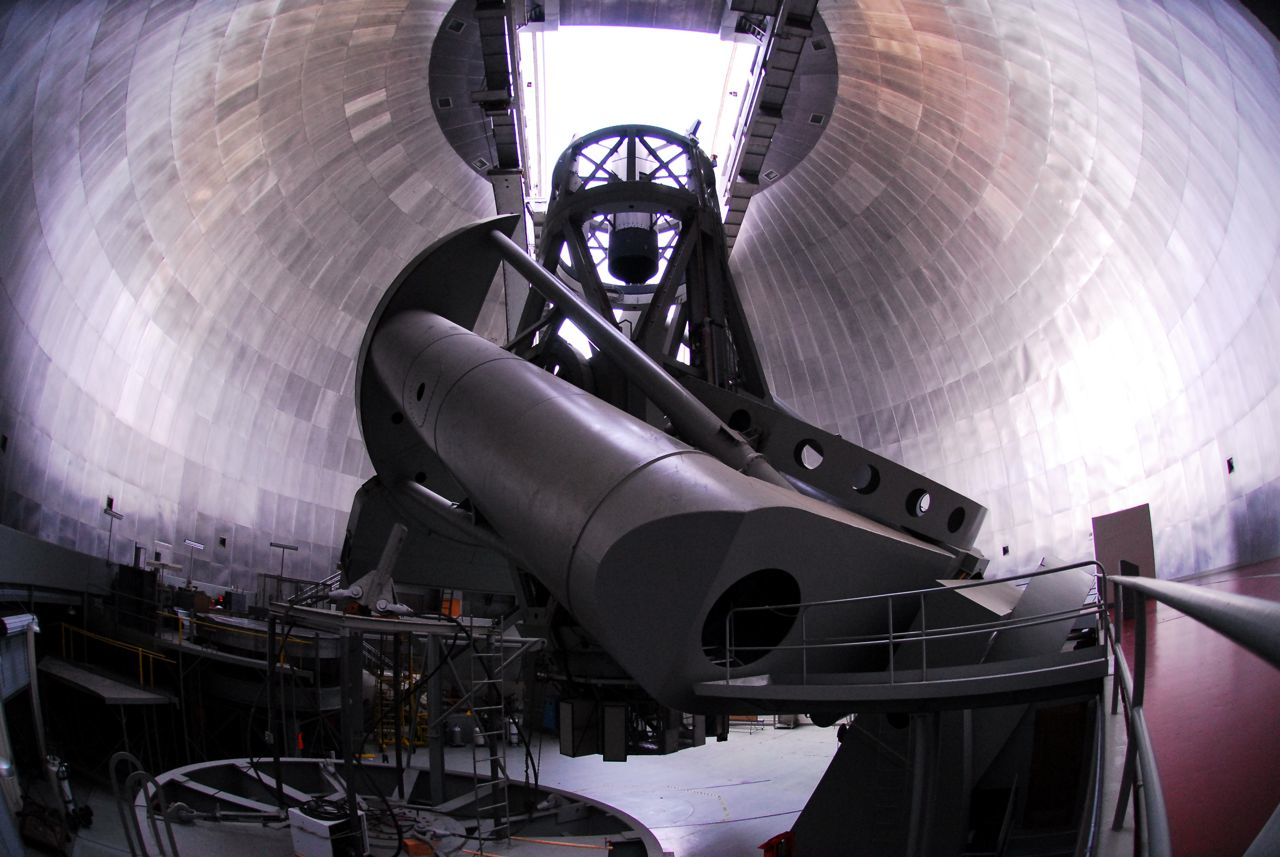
column 866, row 478
column 809, row 454
column 765, row 604
column 918, row 502
column 956, row 520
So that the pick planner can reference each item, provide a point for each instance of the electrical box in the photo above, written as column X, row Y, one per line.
column 325, row 830
column 236, row 602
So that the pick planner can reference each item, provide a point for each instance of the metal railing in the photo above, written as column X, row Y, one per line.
column 146, row 657
column 295, row 590
column 1253, row 623
column 186, row 624
column 318, row 591
column 894, row 638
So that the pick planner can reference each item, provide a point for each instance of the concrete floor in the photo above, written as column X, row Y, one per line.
column 726, row 798
column 1210, row 706
column 713, row 801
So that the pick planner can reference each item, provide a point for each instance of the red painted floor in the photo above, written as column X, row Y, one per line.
column 1214, row 714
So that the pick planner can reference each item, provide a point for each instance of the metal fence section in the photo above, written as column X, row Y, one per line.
column 737, row 654
column 1253, row 623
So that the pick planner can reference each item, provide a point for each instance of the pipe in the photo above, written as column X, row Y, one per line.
column 446, row 515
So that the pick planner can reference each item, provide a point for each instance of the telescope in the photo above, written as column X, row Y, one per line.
column 647, row 486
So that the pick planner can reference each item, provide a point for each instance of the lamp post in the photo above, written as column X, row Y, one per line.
column 113, row 516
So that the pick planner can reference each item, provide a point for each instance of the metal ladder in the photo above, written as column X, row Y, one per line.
column 488, row 747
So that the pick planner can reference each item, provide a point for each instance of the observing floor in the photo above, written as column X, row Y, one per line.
column 720, row 800
column 1211, row 709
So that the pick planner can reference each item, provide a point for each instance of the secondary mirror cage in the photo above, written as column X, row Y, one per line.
column 629, row 185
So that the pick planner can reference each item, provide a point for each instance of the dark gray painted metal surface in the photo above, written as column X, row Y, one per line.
column 614, row 516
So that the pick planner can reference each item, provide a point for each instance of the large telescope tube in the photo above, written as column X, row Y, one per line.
column 645, row 540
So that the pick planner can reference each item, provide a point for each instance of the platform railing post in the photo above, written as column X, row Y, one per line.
column 1117, row 647
column 1126, row 783
column 924, row 643
column 1139, row 651
column 892, row 680
column 804, row 647
column 728, row 648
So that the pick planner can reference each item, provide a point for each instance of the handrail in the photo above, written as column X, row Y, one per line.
column 153, row 799
column 940, row 633
column 926, row 635
column 141, row 652
column 1252, row 623
column 132, row 833
column 1096, row 605
column 234, row 629
column 928, row 590
column 1140, row 774
column 304, row 589
column 892, row 637
column 1087, row 839
column 322, row 586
